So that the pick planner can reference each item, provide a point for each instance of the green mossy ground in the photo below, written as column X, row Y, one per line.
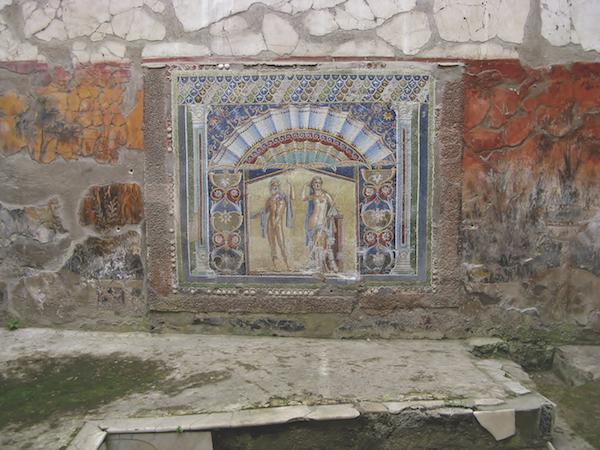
column 579, row 406
column 34, row 390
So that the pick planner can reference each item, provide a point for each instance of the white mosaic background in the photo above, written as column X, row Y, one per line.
column 115, row 30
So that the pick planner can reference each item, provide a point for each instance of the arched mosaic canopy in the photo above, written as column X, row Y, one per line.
column 302, row 135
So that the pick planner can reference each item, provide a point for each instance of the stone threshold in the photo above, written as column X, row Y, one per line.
column 501, row 419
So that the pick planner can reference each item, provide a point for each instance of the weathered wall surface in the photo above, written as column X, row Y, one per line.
column 531, row 189
column 515, row 204
column 71, row 236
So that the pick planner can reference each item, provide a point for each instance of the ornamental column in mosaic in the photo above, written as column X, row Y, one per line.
column 404, row 116
column 197, row 204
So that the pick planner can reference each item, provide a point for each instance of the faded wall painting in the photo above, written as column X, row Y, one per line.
column 531, row 193
column 284, row 177
column 72, row 115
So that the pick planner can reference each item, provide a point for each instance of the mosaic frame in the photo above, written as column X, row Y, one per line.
column 369, row 132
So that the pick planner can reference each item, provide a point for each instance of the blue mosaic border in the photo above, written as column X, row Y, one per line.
column 200, row 88
column 217, row 95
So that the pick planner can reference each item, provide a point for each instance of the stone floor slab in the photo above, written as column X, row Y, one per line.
column 144, row 441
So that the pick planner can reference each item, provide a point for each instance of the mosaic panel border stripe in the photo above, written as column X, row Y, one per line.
column 291, row 177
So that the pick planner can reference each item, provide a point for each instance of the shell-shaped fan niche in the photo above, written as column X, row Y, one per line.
column 302, row 135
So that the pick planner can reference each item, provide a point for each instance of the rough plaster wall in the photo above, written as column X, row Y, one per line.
column 71, row 32
column 43, row 185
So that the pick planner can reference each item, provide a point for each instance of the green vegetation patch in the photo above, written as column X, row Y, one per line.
column 35, row 389
column 580, row 407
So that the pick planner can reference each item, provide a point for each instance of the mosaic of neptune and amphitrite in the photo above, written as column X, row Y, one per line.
column 284, row 176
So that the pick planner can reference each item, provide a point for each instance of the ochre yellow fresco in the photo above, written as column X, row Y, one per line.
column 72, row 115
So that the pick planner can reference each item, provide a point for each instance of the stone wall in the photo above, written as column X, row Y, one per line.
column 84, row 110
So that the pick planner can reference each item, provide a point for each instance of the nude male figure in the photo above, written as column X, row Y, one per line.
column 279, row 209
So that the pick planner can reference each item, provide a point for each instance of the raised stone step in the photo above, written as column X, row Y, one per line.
column 577, row 364
column 520, row 423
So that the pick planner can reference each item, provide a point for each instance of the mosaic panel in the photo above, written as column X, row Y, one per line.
column 286, row 177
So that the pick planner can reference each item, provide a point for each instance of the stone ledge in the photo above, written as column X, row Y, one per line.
column 501, row 421
column 93, row 433
column 577, row 365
